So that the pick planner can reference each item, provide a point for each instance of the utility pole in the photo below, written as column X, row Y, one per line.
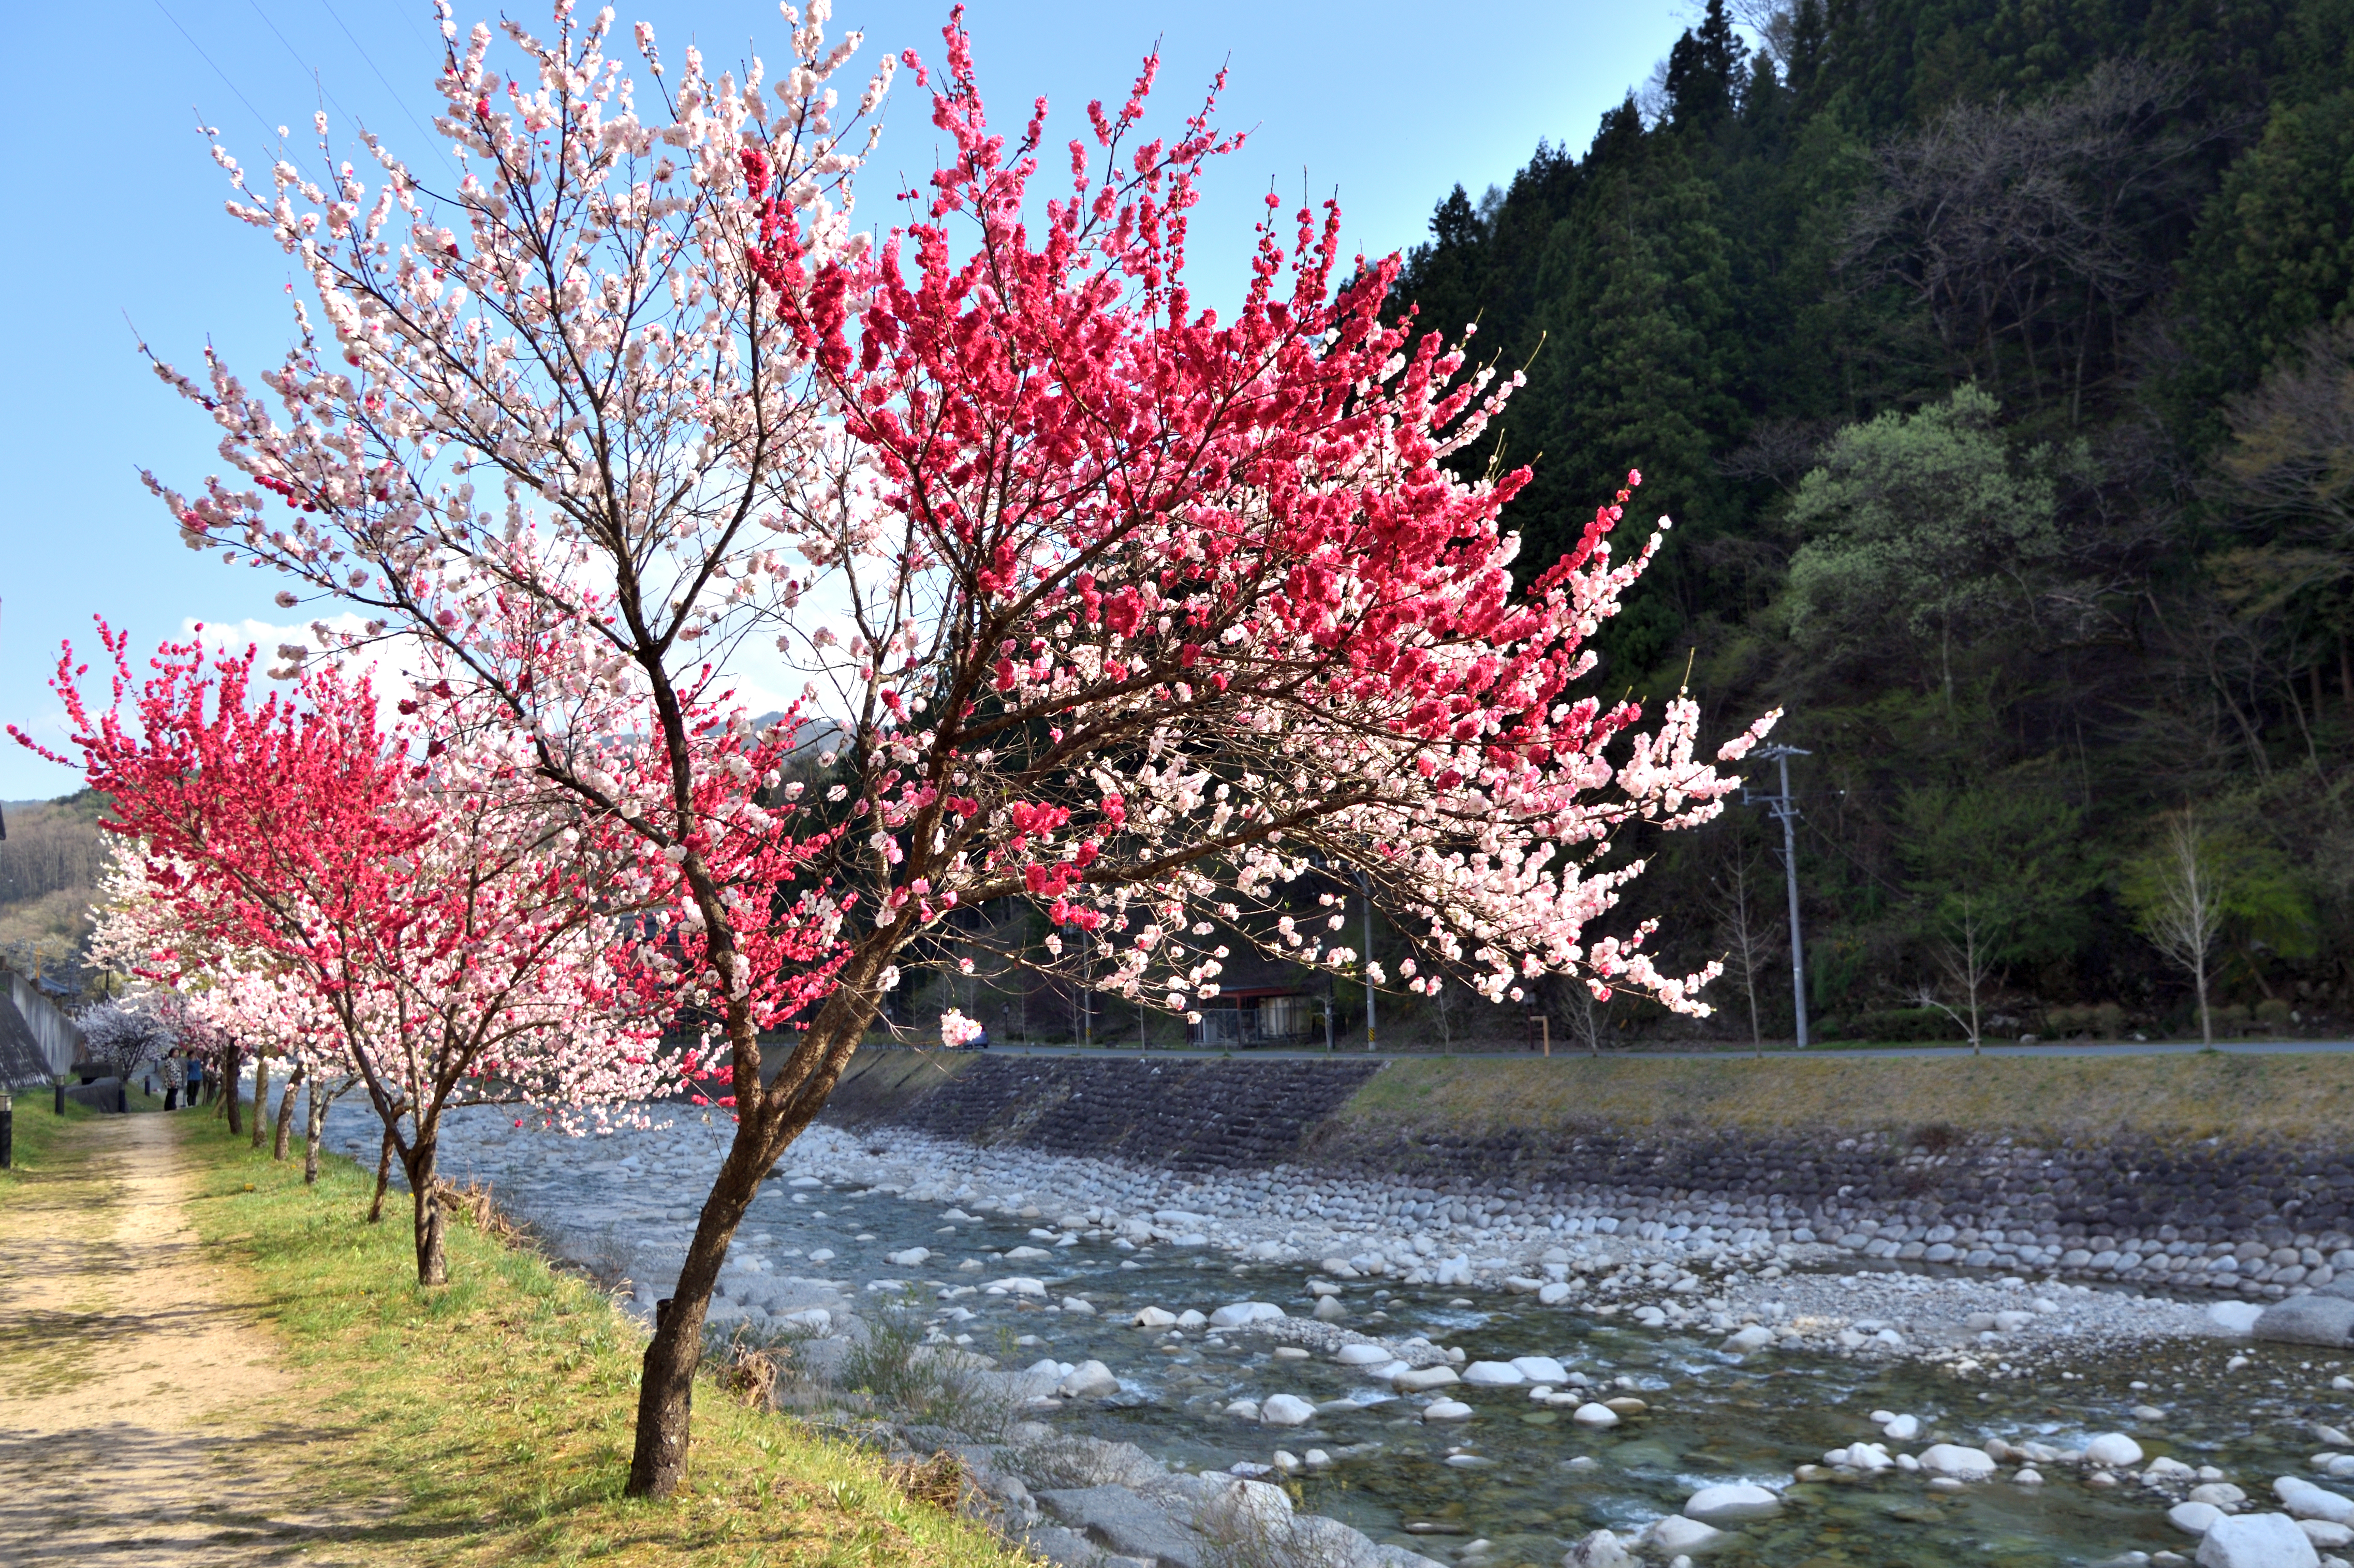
column 1365, row 965
column 1784, row 808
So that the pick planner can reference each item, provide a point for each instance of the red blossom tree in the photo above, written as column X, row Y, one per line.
column 459, row 936
column 1121, row 608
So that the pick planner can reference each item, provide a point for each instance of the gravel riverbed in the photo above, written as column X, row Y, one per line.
column 1472, row 1387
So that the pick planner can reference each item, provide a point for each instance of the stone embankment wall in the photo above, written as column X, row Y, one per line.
column 1183, row 1114
column 2258, row 1220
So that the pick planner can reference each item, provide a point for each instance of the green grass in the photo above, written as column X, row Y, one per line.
column 490, row 1422
column 41, row 1135
column 2199, row 1094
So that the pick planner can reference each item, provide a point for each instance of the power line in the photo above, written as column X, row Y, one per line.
column 409, row 114
column 268, row 129
column 317, row 80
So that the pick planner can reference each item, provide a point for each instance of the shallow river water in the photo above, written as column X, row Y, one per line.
column 1518, row 1482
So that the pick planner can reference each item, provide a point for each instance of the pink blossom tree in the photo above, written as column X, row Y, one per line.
column 1117, row 607
column 459, row 936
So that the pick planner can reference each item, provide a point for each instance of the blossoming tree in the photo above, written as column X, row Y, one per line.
column 460, row 937
column 1119, row 607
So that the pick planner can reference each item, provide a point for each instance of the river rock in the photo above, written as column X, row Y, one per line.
column 1117, row 1518
column 1742, row 1341
column 1078, row 1307
column 1732, row 1503
column 1901, row 1428
column 2112, row 1451
column 1493, row 1374
column 910, row 1259
column 1422, row 1380
column 1237, row 1314
column 1592, row 1415
column 1328, row 1309
column 1678, row 1537
column 1446, row 1410
column 1286, row 1410
column 2326, row 1536
column 2235, row 1317
column 1088, row 1380
column 1959, row 1463
column 1153, row 1318
column 1599, row 1550
column 1361, row 1355
column 2194, row 1518
column 1541, row 1369
column 2257, row 1541
column 2305, row 1501
column 2307, row 1320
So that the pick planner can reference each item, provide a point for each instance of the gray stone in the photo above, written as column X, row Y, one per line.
column 2257, row 1541
column 1599, row 1550
column 2314, row 1319
column 1119, row 1519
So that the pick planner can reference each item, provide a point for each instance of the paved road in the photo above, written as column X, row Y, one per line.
column 2065, row 1048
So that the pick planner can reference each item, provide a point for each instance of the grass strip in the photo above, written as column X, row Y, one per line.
column 489, row 1422
column 2196, row 1095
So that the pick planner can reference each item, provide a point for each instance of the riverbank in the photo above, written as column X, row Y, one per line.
column 1425, row 1381
column 486, row 1422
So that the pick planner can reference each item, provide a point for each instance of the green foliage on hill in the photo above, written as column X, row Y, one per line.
column 1997, row 365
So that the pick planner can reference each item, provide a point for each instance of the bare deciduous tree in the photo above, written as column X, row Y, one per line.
column 2176, row 895
column 2011, row 226
column 1750, row 934
column 1962, row 955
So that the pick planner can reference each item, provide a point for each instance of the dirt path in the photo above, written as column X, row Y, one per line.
column 144, row 1417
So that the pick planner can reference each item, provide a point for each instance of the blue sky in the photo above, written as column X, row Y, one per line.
column 119, row 227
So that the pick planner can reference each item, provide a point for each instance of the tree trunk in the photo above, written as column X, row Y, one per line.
column 260, row 1097
column 432, row 1256
column 383, row 1179
column 230, row 1063
column 2206, row 1019
column 312, row 1134
column 666, row 1388
column 285, row 1115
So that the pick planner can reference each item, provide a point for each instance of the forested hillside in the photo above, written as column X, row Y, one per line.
column 1997, row 365
column 50, row 867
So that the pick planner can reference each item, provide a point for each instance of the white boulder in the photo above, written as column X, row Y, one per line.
column 1675, row 1536
column 1153, row 1318
column 1446, row 1410
column 2305, row 1501
column 1952, row 1461
column 2235, row 1317
column 910, row 1259
column 2257, row 1541
column 1286, row 1410
column 1732, row 1503
column 1493, row 1374
column 2194, row 1518
column 1591, row 1415
column 1362, row 1356
column 1088, row 1380
column 1235, row 1314
column 1422, row 1380
column 1742, row 1341
column 1541, row 1369
column 2112, row 1451
column 1599, row 1550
